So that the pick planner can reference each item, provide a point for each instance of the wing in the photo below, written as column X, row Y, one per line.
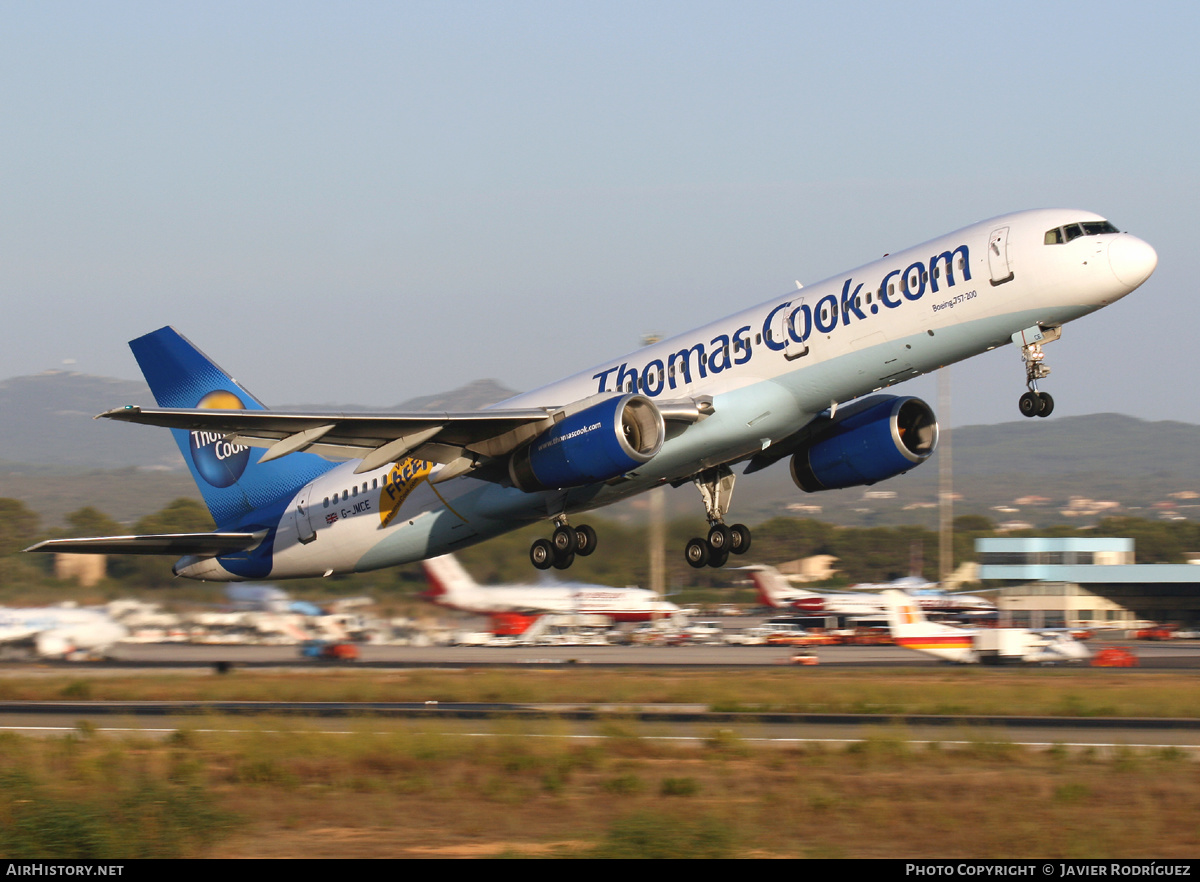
column 461, row 441
column 201, row 544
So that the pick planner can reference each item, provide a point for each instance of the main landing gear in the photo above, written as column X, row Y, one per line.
column 560, row 549
column 716, row 487
column 1034, row 403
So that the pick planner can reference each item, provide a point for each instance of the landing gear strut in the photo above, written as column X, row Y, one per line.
column 560, row 549
column 1034, row 403
column 716, row 488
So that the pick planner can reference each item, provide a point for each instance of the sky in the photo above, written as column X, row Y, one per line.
column 362, row 202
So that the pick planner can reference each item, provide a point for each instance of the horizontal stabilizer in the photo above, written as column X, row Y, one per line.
column 178, row 544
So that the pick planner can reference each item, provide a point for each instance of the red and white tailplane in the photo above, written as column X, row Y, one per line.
column 912, row 630
column 773, row 589
column 448, row 581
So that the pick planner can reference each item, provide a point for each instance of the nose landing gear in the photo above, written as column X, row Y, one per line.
column 1034, row 403
column 716, row 487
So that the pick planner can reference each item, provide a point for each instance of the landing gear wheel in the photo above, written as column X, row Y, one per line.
column 1030, row 404
column 739, row 539
column 719, row 539
column 541, row 554
column 564, row 562
column 1047, row 403
column 585, row 540
column 696, row 553
column 565, row 541
column 717, row 559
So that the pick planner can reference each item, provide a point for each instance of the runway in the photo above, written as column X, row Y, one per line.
column 675, row 723
column 1151, row 656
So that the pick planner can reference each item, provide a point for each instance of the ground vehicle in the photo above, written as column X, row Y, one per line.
column 704, row 632
column 326, row 650
column 1114, row 657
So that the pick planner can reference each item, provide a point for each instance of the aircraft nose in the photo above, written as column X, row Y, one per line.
column 1131, row 259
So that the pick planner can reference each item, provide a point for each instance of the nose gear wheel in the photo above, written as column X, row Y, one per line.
column 1031, row 340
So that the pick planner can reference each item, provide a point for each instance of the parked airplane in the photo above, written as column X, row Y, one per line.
column 910, row 629
column 776, row 591
column 58, row 631
column 268, row 598
column 451, row 585
column 929, row 596
column 781, row 379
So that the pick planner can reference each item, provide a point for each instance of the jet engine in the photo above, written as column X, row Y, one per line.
column 598, row 443
column 871, row 440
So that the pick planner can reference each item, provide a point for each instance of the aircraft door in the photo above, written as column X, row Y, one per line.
column 789, row 326
column 998, row 263
column 305, row 529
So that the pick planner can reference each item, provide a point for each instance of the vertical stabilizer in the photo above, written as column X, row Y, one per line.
column 231, row 479
column 448, row 581
column 773, row 589
column 910, row 629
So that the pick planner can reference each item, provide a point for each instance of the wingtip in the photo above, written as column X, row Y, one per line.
column 116, row 412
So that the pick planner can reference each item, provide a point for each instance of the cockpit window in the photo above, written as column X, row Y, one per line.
column 1074, row 231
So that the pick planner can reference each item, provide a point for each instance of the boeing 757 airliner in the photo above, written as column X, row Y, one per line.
column 792, row 377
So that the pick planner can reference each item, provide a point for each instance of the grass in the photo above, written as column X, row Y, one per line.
column 1088, row 692
column 75, row 798
column 278, row 791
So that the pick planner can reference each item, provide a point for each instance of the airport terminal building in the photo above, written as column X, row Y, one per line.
column 1086, row 582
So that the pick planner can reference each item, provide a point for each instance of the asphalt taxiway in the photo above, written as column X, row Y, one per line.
column 1151, row 656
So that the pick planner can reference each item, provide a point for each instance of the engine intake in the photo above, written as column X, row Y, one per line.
column 599, row 443
column 874, row 439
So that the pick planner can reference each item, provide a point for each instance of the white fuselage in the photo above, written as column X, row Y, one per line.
column 450, row 585
column 56, row 631
column 769, row 370
column 619, row 604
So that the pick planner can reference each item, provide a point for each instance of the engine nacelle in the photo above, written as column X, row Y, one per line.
column 871, row 440
column 599, row 443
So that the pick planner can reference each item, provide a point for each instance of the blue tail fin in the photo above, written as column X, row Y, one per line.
column 232, row 481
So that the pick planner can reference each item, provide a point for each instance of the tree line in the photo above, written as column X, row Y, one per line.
column 864, row 554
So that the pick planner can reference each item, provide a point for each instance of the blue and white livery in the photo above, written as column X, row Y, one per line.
column 794, row 377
